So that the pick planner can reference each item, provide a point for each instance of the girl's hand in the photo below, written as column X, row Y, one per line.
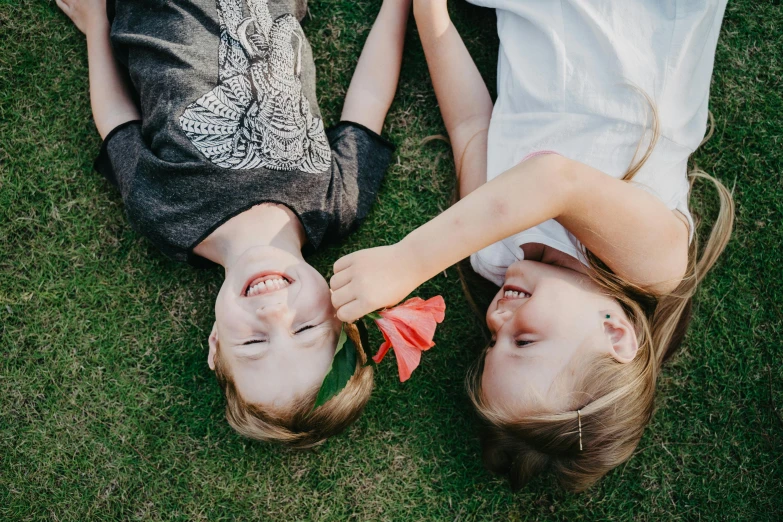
column 86, row 15
column 370, row 279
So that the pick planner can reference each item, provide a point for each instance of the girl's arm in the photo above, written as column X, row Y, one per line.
column 630, row 230
column 375, row 79
column 110, row 95
column 462, row 95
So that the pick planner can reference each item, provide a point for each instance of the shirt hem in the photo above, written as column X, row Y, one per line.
column 566, row 248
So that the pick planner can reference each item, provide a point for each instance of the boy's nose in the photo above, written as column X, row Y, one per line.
column 271, row 311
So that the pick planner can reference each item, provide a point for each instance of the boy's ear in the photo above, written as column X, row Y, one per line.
column 622, row 338
column 213, row 340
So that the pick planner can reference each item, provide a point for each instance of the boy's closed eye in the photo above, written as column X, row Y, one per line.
column 302, row 329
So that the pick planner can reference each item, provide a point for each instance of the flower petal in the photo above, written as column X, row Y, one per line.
column 404, row 333
column 419, row 314
column 407, row 355
column 420, row 325
column 435, row 306
column 409, row 329
column 408, row 359
column 384, row 348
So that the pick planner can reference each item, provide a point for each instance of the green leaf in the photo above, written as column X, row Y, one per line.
column 340, row 372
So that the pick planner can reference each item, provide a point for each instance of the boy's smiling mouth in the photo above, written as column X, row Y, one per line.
column 261, row 284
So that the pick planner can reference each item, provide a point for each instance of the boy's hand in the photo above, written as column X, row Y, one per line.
column 370, row 279
column 86, row 15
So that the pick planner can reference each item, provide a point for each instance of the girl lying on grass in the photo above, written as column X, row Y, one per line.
column 592, row 244
column 213, row 136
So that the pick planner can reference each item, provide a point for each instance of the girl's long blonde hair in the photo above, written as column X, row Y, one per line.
column 620, row 397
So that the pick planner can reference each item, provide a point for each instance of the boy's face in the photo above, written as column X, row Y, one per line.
column 276, row 327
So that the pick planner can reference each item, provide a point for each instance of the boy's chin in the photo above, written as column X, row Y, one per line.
column 269, row 252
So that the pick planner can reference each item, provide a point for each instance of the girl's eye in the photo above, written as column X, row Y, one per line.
column 522, row 343
column 302, row 329
column 254, row 341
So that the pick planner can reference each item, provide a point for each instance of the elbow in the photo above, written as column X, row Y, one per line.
column 672, row 272
column 463, row 131
column 669, row 284
column 567, row 172
column 678, row 261
column 561, row 180
column 679, row 270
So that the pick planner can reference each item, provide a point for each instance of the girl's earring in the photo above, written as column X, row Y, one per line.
column 608, row 316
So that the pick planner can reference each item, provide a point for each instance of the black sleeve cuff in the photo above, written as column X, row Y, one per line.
column 334, row 129
column 102, row 163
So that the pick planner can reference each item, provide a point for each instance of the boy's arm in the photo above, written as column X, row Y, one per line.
column 110, row 95
column 463, row 98
column 375, row 79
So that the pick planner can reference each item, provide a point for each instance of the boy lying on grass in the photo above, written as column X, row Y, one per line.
column 212, row 134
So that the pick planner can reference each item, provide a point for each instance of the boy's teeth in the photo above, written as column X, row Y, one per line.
column 268, row 285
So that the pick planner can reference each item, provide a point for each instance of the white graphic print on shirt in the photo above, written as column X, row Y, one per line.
column 257, row 116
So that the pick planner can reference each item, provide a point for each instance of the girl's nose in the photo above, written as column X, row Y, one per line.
column 497, row 319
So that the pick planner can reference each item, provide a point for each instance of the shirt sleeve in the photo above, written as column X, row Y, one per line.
column 492, row 262
column 360, row 158
column 119, row 156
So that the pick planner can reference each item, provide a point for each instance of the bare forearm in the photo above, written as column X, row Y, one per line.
column 463, row 98
column 526, row 195
column 632, row 231
column 110, row 96
column 375, row 79
column 520, row 198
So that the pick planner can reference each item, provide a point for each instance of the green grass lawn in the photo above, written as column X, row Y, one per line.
column 109, row 412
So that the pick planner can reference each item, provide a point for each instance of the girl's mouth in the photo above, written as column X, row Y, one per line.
column 266, row 284
column 514, row 292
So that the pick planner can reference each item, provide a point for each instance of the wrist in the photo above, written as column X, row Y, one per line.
column 405, row 254
column 98, row 26
column 414, row 257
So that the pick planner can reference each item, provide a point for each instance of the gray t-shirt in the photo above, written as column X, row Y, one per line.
column 230, row 120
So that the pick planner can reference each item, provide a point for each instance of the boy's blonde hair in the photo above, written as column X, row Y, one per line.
column 614, row 400
column 299, row 425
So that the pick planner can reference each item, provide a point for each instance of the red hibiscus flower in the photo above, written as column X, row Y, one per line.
column 409, row 329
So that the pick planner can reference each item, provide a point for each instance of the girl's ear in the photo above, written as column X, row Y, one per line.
column 213, row 341
column 621, row 336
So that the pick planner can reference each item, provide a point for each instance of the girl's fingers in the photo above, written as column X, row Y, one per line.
column 350, row 312
column 342, row 263
column 62, row 5
column 341, row 297
column 340, row 280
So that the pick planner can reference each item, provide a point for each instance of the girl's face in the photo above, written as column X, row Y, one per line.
column 547, row 324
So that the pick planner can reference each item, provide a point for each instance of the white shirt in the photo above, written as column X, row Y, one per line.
column 566, row 76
